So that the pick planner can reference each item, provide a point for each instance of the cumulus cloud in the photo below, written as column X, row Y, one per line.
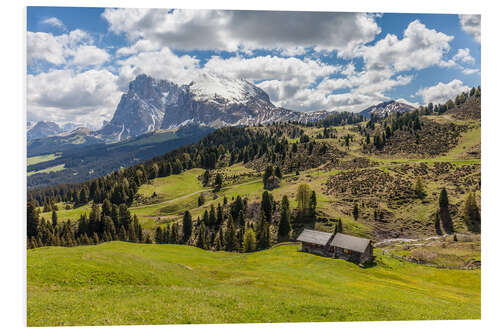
column 419, row 48
column 55, row 22
column 442, row 92
column 65, row 96
column 471, row 24
column 75, row 47
column 89, row 55
column 469, row 71
column 463, row 55
column 244, row 30
column 161, row 64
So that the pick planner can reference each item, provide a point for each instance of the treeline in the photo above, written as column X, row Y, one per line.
column 450, row 104
column 221, row 148
column 238, row 226
column 104, row 223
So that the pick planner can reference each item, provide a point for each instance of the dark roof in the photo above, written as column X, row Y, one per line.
column 352, row 243
column 314, row 237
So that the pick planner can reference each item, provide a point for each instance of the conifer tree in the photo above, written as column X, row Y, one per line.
column 267, row 206
column 54, row 218
column 284, row 227
column 470, row 211
column 419, row 188
column 249, row 241
column 158, row 235
column 33, row 219
column 444, row 213
column 187, row 226
column 304, row 199
column 355, row 211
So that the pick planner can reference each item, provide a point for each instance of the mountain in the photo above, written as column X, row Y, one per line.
column 42, row 129
column 209, row 100
column 386, row 108
column 64, row 141
column 84, row 156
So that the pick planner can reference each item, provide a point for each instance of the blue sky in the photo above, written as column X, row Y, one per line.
column 80, row 60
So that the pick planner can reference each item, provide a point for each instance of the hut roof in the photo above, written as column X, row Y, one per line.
column 314, row 237
column 352, row 243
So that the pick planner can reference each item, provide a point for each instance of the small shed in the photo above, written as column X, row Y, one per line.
column 356, row 249
column 317, row 242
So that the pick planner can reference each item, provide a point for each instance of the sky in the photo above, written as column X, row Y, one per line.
column 80, row 60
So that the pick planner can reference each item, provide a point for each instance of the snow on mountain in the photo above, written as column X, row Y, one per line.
column 386, row 108
column 211, row 87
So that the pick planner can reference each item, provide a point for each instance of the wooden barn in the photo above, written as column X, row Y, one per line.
column 317, row 242
column 338, row 245
column 351, row 248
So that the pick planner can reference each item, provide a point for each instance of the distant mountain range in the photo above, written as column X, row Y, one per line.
column 211, row 100
column 151, row 107
column 386, row 108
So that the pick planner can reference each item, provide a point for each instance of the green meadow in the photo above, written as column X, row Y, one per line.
column 119, row 283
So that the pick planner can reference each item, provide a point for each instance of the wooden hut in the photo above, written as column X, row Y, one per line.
column 317, row 242
column 355, row 249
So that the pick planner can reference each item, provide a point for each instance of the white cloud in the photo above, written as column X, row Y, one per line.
column 472, row 25
column 463, row 55
column 44, row 46
column 55, row 22
column 89, row 55
column 75, row 48
column 442, row 92
column 419, row 48
column 244, row 30
column 162, row 64
column 64, row 96
column 469, row 71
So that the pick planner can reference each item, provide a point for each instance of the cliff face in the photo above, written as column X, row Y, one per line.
column 211, row 100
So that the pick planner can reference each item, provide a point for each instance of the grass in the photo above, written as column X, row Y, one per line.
column 121, row 283
column 55, row 168
column 168, row 188
column 41, row 158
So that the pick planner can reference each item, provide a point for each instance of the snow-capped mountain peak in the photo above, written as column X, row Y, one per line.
column 214, row 87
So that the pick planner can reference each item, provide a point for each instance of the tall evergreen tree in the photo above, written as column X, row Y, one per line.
column 284, row 227
column 187, row 226
column 33, row 219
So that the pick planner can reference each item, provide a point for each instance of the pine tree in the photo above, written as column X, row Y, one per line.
column 419, row 188
column 158, row 235
column 277, row 172
column 267, row 206
column 33, row 219
column 284, row 227
column 230, row 243
column 54, row 218
column 444, row 213
column 355, row 211
column 218, row 182
column 187, row 226
column 249, row 241
column 268, row 172
column 304, row 199
column 124, row 217
column 470, row 212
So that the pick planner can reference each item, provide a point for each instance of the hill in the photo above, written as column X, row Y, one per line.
column 120, row 283
column 83, row 157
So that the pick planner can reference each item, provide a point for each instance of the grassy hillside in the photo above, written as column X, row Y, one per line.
column 121, row 283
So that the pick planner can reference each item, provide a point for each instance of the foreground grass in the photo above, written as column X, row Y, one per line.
column 120, row 283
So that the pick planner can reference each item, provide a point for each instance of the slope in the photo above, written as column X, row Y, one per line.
column 120, row 283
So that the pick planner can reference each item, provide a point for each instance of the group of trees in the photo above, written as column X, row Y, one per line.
column 223, row 147
column 450, row 104
column 105, row 222
column 233, row 226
